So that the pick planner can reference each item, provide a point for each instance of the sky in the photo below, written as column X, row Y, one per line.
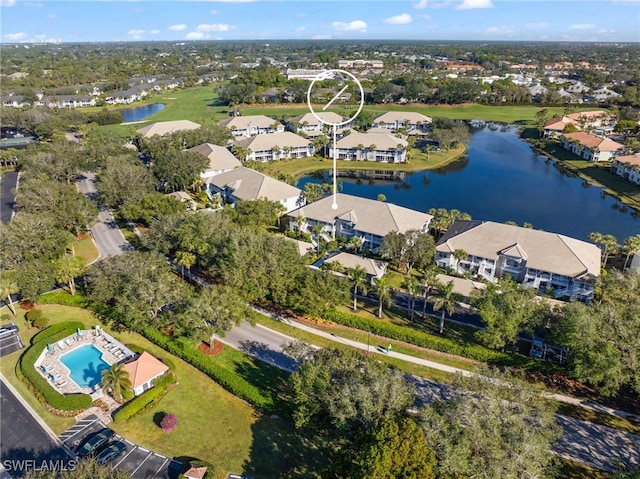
column 183, row 20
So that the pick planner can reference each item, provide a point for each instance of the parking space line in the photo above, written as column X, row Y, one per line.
column 125, row 456
column 141, row 462
column 163, row 464
column 79, row 430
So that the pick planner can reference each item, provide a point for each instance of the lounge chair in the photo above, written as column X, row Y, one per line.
column 61, row 344
column 61, row 383
column 55, row 377
column 67, row 342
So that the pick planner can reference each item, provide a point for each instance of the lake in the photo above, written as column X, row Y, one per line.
column 500, row 179
column 138, row 113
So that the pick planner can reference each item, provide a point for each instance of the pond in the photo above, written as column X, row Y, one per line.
column 138, row 113
column 500, row 179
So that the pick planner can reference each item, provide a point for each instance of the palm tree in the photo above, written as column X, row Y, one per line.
column 185, row 259
column 383, row 288
column 68, row 268
column 117, row 379
column 8, row 288
column 445, row 301
column 631, row 245
column 459, row 255
column 411, row 285
column 300, row 221
column 355, row 242
column 316, row 230
column 359, row 278
column 608, row 242
column 428, row 281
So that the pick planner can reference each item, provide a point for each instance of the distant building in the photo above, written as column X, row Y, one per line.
column 252, row 125
column 409, row 120
column 375, row 147
column 591, row 147
column 276, row 146
column 627, row 166
column 220, row 159
column 246, row 184
column 309, row 124
column 537, row 259
column 162, row 128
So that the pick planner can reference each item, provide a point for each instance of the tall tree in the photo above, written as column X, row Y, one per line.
column 631, row 246
column 492, row 428
column 68, row 268
column 383, row 289
column 345, row 393
column 7, row 288
column 445, row 300
column 116, row 378
column 411, row 284
column 608, row 243
column 177, row 170
column 420, row 250
column 359, row 283
column 429, row 280
column 123, row 180
column 393, row 247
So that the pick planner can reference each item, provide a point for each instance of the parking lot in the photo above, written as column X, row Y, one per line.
column 137, row 461
column 9, row 344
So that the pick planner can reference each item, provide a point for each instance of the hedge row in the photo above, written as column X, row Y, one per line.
column 426, row 340
column 63, row 298
column 146, row 400
column 42, row 388
column 229, row 380
column 46, row 335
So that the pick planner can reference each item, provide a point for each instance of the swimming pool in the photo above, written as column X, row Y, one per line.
column 85, row 365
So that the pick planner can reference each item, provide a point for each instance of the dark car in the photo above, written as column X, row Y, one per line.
column 95, row 442
column 8, row 330
column 111, row 452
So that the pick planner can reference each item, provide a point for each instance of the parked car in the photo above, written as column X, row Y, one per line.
column 8, row 330
column 95, row 442
column 111, row 452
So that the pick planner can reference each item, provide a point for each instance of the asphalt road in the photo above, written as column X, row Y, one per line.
column 598, row 446
column 24, row 443
column 7, row 195
column 106, row 234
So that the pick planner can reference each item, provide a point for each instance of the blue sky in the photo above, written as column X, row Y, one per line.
column 500, row 20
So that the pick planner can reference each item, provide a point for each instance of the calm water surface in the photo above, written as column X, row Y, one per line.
column 501, row 180
column 140, row 112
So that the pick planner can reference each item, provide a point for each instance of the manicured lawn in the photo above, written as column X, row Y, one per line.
column 86, row 249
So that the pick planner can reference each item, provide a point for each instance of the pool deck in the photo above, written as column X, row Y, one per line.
column 112, row 352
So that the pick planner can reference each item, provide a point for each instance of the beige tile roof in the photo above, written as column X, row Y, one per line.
column 393, row 116
column 329, row 116
column 556, row 123
column 628, row 159
column 268, row 141
column 219, row 157
column 593, row 141
column 144, row 369
column 588, row 115
column 382, row 141
column 243, row 122
column 248, row 184
column 545, row 251
column 165, row 127
column 372, row 266
column 302, row 246
column 461, row 286
column 371, row 216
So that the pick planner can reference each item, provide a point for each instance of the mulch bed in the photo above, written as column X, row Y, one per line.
column 218, row 347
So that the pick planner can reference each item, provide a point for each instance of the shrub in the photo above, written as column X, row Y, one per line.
column 41, row 322
column 128, row 395
column 33, row 315
column 169, row 422
column 147, row 400
column 41, row 387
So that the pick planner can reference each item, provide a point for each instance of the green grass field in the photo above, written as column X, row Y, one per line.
column 87, row 250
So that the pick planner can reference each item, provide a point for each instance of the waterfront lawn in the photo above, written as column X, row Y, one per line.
column 419, row 160
column 600, row 173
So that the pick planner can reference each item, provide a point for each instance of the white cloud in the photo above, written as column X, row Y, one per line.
column 322, row 37
column 214, row 12
column 154, row 32
column 471, row 4
column 301, row 29
column 537, row 26
column 500, row 31
column 214, row 27
column 135, row 34
column 52, row 16
column 178, row 27
column 7, row 3
column 195, row 36
column 421, row 5
column 15, row 36
column 33, row 4
column 582, row 26
column 401, row 19
column 354, row 26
